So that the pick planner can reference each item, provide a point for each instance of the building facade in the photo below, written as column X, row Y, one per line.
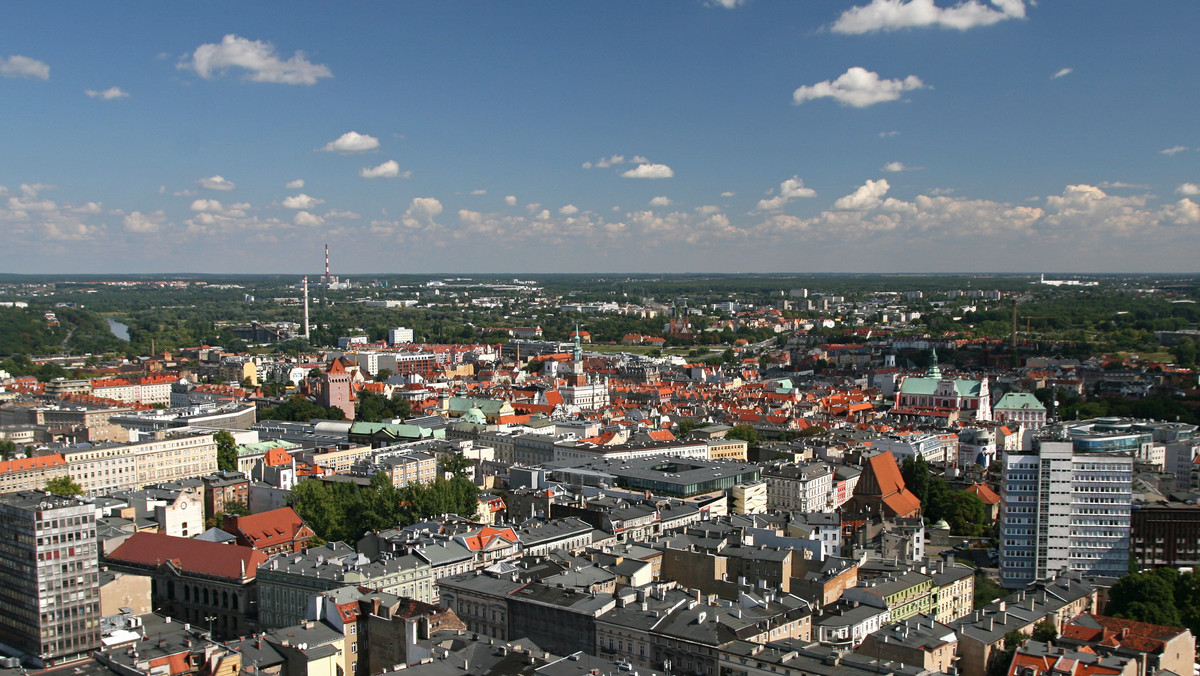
column 50, row 601
column 1066, row 505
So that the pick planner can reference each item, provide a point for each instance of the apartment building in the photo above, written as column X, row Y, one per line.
column 162, row 457
column 50, row 601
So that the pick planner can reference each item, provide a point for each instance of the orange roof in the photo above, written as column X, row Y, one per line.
column 986, row 494
column 24, row 464
column 267, row 529
column 661, row 435
column 1140, row 636
column 277, row 456
column 486, row 536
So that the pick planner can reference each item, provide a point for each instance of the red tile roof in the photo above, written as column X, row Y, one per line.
column 194, row 556
column 986, row 494
column 23, row 464
column 268, row 529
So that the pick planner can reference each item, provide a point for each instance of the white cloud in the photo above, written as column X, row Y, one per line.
column 569, row 210
column 206, row 205
column 649, row 171
column 727, row 4
column 605, row 162
column 256, row 57
column 144, row 223
column 479, row 191
column 301, row 201
column 216, row 183
column 888, row 134
column 728, row 193
column 342, row 214
column 389, row 169
column 858, row 87
column 510, row 200
column 867, row 196
column 352, row 142
column 305, row 219
column 1173, row 150
column 1122, row 184
column 421, row 212
column 792, row 188
column 108, row 94
column 1062, row 72
column 295, row 185
column 661, row 201
column 897, row 166
column 887, row 15
column 1189, row 189
column 23, row 66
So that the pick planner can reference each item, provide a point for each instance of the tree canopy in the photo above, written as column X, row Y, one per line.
column 64, row 485
column 227, row 454
column 343, row 511
column 964, row 511
column 1160, row 596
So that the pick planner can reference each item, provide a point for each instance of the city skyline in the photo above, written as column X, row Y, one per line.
column 723, row 136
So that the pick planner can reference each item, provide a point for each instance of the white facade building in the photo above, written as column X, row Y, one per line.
column 1067, row 505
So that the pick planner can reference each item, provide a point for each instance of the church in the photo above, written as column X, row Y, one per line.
column 971, row 398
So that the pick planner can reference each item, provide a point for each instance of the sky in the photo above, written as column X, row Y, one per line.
column 617, row 136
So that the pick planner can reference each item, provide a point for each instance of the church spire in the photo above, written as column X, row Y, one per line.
column 934, row 371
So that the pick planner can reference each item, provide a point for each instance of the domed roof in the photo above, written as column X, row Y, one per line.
column 941, row 525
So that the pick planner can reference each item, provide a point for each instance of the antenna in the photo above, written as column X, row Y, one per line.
column 306, row 324
column 327, row 264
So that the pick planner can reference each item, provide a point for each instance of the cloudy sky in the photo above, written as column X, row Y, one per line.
column 562, row 136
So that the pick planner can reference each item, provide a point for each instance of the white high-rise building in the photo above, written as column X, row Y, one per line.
column 399, row 336
column 1066, row 503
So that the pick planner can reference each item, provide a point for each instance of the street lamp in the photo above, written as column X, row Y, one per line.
column 210, row 619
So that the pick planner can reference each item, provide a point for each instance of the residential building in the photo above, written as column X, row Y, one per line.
column 163, row 457
column 279, row 531
column 799, row 488
column 981, row 633
column 31, row 474
column 919, row 641
column 1154, row 647
column 287, row 580
column 49, row 562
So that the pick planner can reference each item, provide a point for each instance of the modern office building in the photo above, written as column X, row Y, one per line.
column 1066, row 503
column 50, row 600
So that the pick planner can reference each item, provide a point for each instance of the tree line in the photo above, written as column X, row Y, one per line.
column 344, row 511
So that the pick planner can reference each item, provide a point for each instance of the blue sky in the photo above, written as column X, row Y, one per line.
column 754, row 136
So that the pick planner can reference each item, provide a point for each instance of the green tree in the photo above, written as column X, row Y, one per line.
column 7, row 448
column 227, row 455
column 1044, row 631
column 986, row 590
column 1146, row 597
column 456, row 464
column 685, row 425
column 64, row 485
column 744, row 433
column 917, row 479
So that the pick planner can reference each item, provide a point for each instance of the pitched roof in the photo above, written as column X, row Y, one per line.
column 23, row 464
column 986, row 494
column 152, row 550
column 267, row 529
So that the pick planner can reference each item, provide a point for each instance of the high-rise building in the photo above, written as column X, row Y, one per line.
column 1066, row 503
column 50, row 599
